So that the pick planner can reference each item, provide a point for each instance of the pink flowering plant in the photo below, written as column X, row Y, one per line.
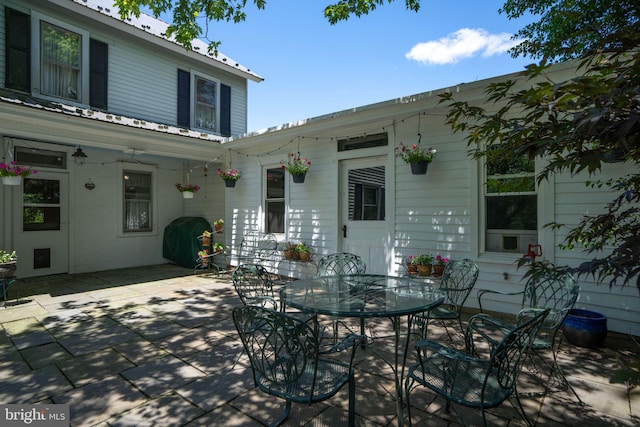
column 415, row 153
column 192, row 188
column 440, row 260
column 296, row 165
column 12, row 169
column 229, row 174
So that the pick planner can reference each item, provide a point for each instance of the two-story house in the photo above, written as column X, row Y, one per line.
column 112, row 114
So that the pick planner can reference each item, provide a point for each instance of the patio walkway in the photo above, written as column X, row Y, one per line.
column 155, row 346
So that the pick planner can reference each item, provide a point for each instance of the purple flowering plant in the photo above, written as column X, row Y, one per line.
column 12, row 169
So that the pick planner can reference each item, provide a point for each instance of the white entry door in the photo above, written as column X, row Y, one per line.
column 363, row 226
column 40, row 225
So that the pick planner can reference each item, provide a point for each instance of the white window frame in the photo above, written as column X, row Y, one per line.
column 36, row 60
column 194, row 99
column 285, row 198
column 535, row 236
column 139, row 168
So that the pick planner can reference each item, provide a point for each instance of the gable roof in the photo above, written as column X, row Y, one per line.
column 154, row 30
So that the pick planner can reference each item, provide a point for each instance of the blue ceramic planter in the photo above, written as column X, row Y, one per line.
column 585, row 328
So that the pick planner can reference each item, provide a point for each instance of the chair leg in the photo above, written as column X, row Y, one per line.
column 352, row 400
column 556, row 369
column 407, row 388
column 523, row 414
column 284, row 416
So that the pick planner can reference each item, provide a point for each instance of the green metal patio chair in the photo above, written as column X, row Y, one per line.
column 476, row 382
column 254, row 285
column 557, row 292
column 286, row 360
column 337, row 264
column 457, row 281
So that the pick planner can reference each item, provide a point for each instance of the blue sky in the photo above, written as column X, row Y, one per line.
column 312, row 68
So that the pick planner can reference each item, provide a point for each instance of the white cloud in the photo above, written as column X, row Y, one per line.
column 464, row 43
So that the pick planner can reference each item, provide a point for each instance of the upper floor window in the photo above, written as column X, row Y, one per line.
column 203, row 103
column 60, row 53
column 206, row 103
column 511, row 204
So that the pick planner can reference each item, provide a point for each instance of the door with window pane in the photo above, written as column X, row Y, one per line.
column 363, row 225
column 41, row 234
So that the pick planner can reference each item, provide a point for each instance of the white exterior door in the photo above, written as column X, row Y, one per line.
column 40, row 225
column 363, row 227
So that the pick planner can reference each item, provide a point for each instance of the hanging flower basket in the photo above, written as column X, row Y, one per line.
column 12, row 174
column 297, row 167
column 12, row 180
column 187, row 190
column 230, row 176
column 418, row 157
column 419, row 168
column 298, row 178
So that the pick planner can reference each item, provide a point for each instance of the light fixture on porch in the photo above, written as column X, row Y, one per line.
column 79, row 156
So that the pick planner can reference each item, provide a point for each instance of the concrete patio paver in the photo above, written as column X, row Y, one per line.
column 156, row 346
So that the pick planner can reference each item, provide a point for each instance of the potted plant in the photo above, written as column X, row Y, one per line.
column 206, row 238
column 12, row 174
column 217, row 248
column 304, row 251
column 218, row 225
column 8, row 264
column 203, row 257
column 297, row 167
column 411, row 267
column 423, row 262
column 230, row 176
column 439, row 265
column 290, row 250
column 187, row 190
column 418, row 157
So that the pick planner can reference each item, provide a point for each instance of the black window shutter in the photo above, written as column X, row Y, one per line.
column 98, row 63
column 17, row 50
column 225, row 110
column 184, row 98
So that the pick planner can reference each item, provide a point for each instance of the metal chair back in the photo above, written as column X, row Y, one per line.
column 256, row 246
column 253, row 284
column 341, row 263
column 558, row 293
column 458, row 279
column 284, row 356
column 471, row 381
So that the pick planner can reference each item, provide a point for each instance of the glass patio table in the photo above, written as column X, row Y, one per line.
column 368, row 296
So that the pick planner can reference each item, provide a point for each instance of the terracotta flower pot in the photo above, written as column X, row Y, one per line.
column 412, row 268
column 438, row 270
column 424, row 270
column 218, row 228
column 305, row 256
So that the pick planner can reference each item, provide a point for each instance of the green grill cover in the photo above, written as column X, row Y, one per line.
column 181, row 244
